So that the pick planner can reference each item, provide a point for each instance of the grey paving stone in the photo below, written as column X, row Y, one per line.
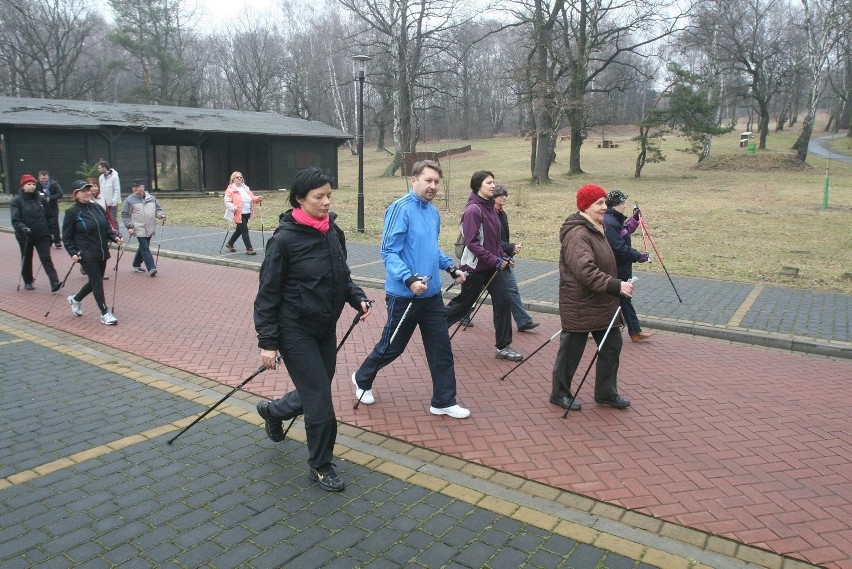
column 476, row 554
column 614, row 561
column 240, row 555
column 585, row 556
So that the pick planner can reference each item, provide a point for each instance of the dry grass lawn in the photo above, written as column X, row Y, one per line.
column 735, row 217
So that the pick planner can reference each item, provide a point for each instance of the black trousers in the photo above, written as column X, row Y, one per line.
column 311, row 363
column 42, row 245
column 571, row 347
column 95, row 270
column 53, row 222
column 242, row 229
column 500, row 304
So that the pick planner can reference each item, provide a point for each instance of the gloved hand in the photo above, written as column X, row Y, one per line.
column 644, row 257
column 636, row 213
column 630, row 225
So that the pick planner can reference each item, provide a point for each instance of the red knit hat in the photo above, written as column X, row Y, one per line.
column 589, row 194
column 26, row 178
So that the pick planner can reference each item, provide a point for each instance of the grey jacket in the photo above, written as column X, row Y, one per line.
column 141, row 214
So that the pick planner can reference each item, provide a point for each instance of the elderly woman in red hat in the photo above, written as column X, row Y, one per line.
column 29, row 211
column 589, row 293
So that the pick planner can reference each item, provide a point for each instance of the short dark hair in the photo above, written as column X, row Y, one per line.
column 305, row 181
column 477, row 179
column 500, row 190
column 418, row 167
column 43, row 173
column 103, row 163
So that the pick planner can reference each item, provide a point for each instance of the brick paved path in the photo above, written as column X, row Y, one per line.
column 746, row 443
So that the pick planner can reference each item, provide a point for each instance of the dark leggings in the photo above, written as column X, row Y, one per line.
column 95, row 270
column 242, row 229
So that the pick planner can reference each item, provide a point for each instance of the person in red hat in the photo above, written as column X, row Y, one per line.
column 29, row 212
column 589, row 293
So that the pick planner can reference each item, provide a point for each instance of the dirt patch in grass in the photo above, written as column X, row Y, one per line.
column 761, row 162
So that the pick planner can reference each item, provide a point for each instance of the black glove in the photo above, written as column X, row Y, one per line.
column 636, row 213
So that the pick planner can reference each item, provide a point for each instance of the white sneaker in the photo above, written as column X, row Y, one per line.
column 109, row 319
column 454, row 411
column 75, row 306
column 367, row 397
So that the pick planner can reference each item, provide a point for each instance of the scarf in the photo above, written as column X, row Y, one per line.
column 594, row 223
column 321, row 225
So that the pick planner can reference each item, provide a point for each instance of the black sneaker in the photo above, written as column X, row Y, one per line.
column 327, row 478
column 55, row 286
column 565, row 401
column 29, row 286
column 274, row 428
column 618, row 402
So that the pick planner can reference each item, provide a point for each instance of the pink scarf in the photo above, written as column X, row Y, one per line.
column 322, row 225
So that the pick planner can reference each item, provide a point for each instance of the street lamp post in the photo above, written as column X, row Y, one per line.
column 361, row 61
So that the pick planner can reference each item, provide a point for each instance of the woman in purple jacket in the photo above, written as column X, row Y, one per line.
column 484, row 261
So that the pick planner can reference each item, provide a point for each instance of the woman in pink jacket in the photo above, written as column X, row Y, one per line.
column 239, row 208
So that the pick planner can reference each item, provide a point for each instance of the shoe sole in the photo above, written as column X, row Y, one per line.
column 262, row 410
column 440, row 412
column 611, row 404
column 578, row 408
column 510, row 358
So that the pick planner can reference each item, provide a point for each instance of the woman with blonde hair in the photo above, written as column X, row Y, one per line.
column 239, row 208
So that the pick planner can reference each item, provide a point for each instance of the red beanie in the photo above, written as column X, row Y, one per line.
column 27, row 178
column 589, row 194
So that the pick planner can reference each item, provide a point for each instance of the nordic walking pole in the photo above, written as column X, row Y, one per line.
column 657, row 252
column 401, row 320
column 502, row 377
column 262, row 232
column 162, row 230
column 61, row 285
column 642, row 227
column 23, row 255
column 115, row 277
column 259, row 371
column 481, row 302
column 591, row 363
column 225, row 239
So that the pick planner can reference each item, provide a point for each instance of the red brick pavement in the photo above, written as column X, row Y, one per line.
column 747, row 443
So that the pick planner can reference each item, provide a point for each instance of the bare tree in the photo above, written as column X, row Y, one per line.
column 411, row 33
column 823, row 21
column 44, row 46
column 253, row 62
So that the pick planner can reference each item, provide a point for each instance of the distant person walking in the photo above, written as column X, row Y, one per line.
column 239, row 208
column 87, row 234
column 304, row 285
column 413, row 262
column 52, row 192
column 29, row 213
column 110, row 187
column 588, row 299
column 618, row 230
column 139, row 215
column 485, row 262
column 523, row 320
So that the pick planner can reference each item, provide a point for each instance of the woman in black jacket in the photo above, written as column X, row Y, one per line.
column 87, row 235
column 29, row 213
column 304, row 283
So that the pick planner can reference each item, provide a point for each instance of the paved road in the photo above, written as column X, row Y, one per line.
column 819, row 147
column 731, row 454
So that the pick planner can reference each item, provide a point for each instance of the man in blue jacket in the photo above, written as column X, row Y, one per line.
column 413, row 262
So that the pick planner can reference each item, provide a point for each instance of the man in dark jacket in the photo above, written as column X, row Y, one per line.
column 29, row 213
column 588, row 299
column 52, row 192
column 618, row 230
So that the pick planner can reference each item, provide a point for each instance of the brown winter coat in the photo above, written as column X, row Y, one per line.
column 589, row 290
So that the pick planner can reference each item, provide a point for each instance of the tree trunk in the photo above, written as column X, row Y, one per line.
column 763, row 123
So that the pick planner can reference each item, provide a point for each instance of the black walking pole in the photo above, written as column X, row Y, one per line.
column 162, row 230
column 259, row 371
column 115, row 277
column 62, row 284
column 502, row 377
column 262, row 233
column 23, row 255
column 591, row 363
column 481, row 302
column 225, row 239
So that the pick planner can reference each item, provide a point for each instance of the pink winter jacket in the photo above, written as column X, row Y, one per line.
column 234, row 202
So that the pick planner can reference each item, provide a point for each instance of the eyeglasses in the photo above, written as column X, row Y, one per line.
column 238, row 177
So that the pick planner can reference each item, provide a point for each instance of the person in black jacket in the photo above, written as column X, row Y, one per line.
column 52, row 192
column 29, row 213
column 304, row 283
column 618, row 230
column 87, row 234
